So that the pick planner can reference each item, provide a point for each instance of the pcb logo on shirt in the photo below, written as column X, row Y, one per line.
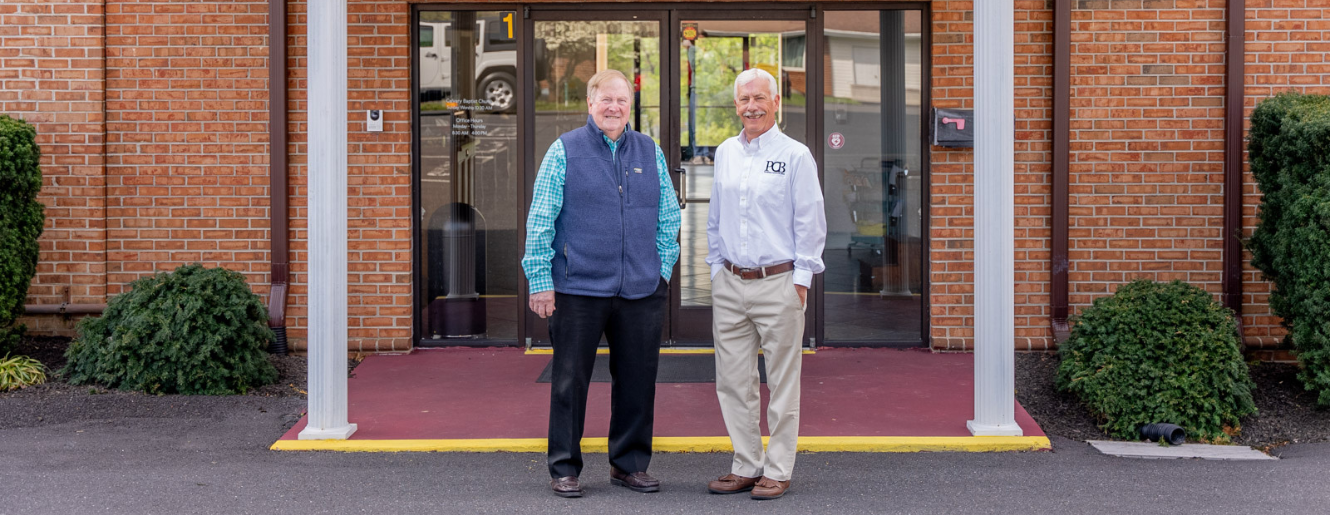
column 775, row 167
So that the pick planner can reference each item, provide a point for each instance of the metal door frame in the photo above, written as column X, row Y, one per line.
column 671, row 14
column 700, row 322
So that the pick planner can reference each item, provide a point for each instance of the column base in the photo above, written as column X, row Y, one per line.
column 332, row 433
column 1008, row 429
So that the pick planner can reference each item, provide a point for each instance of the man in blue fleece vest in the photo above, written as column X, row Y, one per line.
column 602, row 240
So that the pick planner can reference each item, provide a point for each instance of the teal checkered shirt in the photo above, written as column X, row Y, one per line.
column 548, row 201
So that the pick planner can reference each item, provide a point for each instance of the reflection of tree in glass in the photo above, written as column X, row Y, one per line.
column 621, row 56
column 571, row 48
column 719, row 59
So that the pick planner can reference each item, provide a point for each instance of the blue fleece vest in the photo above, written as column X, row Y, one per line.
column 605, row 235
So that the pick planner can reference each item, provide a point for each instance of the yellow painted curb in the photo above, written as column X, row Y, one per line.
column 686, row 444
column 697, row 350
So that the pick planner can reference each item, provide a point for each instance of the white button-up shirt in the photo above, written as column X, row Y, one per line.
column 766, row 206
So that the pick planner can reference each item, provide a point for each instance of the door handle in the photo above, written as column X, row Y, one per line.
column 683, row 187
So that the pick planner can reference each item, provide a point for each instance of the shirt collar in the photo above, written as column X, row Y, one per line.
column 756, row 143
column 591, row 122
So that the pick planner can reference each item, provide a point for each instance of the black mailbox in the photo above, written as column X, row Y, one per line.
column 953, row 128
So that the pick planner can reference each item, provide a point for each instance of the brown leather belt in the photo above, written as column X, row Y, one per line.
column 759, row 272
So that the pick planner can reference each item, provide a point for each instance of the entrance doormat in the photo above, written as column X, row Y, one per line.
column 674, row 368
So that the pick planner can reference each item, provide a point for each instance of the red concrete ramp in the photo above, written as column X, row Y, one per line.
column 467, row 399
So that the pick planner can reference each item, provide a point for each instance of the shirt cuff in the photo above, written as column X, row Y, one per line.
column 539, row 284
column 803, row 277
column 716, row 268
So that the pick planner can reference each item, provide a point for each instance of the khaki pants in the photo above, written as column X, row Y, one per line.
column 747, row 315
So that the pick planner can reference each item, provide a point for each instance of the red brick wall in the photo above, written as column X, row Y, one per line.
column 951, row 229
column 156, row 154
column 1034, row 166
column 175, row 171
column 952, row 224
column 1146, row 150
column 1147, row 144
column 51, row 75
column 187, row 138
column 1287, row 44
column 378, row 172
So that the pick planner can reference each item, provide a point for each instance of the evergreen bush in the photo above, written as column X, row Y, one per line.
column 1158, row 352
column 192, row 331
column 21, row 219
column 1289, row 154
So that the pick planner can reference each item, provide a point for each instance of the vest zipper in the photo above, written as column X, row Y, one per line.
column 566, row 262
column 623, row 223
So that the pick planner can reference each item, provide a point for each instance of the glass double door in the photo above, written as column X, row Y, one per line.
column 682, row 66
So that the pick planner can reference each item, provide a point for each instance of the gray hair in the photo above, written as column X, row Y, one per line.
column 753, row 73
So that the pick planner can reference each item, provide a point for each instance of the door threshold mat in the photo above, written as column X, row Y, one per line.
column 674, row 368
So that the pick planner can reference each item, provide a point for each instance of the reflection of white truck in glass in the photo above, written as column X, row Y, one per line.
column 496, row 62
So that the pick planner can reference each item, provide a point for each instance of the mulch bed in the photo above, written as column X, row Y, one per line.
column 1286, row 413
column 57, row 401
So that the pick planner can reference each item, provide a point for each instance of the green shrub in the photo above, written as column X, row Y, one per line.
column 1290, row 159
column 20, row 371
column 1158, row 352
column 193, row 331
column 21, row 219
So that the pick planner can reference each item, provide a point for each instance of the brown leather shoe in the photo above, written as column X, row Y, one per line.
column 731, row 484
column 767, row 488
column 637, row 481
column 567, row 486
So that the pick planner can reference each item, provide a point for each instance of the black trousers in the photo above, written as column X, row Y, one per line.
column 632, row 328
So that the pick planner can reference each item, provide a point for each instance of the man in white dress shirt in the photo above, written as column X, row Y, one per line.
column 765, row 232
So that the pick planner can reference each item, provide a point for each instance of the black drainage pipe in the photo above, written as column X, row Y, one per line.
column 1171, row 433
column 278, row 345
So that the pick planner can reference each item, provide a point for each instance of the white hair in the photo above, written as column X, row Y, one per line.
column 753, row 73
column 600, row 78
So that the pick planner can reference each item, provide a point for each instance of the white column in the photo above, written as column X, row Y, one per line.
column 994, row 216
column 327, row 222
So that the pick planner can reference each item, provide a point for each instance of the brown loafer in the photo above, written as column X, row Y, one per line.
column 637, row 481
column 567, row 486
column 731, row 484
column 767, row 488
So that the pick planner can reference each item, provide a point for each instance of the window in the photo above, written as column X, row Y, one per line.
column 499, row 33
column 467, row 179
column 874, row 253
column 427, row 37
column 792, row 51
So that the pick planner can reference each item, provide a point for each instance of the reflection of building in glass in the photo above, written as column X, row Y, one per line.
column 854, row 58
column 873, row 175
column 468, row 171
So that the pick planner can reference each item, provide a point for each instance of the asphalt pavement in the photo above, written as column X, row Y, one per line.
column 192, row 462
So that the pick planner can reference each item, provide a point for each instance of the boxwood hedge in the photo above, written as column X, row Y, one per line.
column 21, row 219
column 1289, row 152
column 192, row 331
column 1158, row 352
